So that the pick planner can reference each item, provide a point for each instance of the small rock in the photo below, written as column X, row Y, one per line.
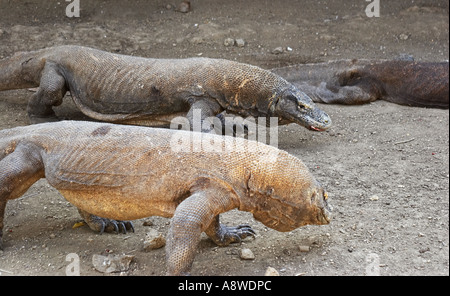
column 278, row 50
column 240, row 42
column 228, row 42
column 184, row 7
column 148, row 223
column 247, row 254
column 154, row 240
column 404, row 57
column 196, row 40
column 304, row 248
column 403, row 36
column 374, row 198
column 112, row 263
column 270, row 271
column 423, row 250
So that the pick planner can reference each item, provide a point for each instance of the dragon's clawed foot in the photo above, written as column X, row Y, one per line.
column 240, row 232
column 101, row 225
column 228, row 235
column 110, row 225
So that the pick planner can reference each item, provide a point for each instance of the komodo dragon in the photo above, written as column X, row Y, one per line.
column 133, row 90
column 404, row 82
column 128, row 172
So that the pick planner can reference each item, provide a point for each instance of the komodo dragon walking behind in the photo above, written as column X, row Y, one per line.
column 143, row 91
column 403, row 82
column 130, row 172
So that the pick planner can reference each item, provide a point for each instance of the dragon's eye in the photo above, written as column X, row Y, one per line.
column 301, row 107
column 291, row 97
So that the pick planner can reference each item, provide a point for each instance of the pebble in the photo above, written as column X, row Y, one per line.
column 240, row 42
column 247, row 254
column 403, row 36
column 278, row 50
column 148, row 223
column 196, row 40
column 154, row 240
column 423, row 250
column 270, row 271
column 405, row 57
column 112, row 263
column 304, row 248
column 184, row 7
column 374, row 198
column 229, row 42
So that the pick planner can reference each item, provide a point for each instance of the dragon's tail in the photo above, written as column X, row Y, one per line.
column 22, row 70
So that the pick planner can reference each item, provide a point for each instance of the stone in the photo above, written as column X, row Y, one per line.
column 374, row 198
column 184, row 7
column 240, row 42
column 304, row 248
column 196, row 40
column 403, row 36
column 270, row 271
column 247, row 254
column 278, row 50
column 228, row 42
column 148, row 223
column 112, row 263
column 154, row 240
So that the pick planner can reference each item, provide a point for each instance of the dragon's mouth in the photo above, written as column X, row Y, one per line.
column 313, row 128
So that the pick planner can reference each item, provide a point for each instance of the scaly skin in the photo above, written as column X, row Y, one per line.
column 350, row 82
column 129, row 172
column 143, row 91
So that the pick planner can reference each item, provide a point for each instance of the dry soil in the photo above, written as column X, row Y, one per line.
column 386, row 166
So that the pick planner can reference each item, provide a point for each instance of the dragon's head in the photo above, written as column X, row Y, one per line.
column 285, row 195
column 294, row 106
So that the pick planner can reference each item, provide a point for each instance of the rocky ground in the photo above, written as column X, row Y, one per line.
column 386, row 166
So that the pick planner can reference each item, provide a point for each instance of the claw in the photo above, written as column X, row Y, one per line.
column 131, row 225
column 101, row 225
column 102, row 229
column 246, row 229
column 237, row 238
column 124, row 228
column 240, row 232
column 116, row 227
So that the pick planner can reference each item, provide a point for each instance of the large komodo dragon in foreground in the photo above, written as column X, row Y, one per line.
column 129, row 172
column 133, row 90
column 420, row 84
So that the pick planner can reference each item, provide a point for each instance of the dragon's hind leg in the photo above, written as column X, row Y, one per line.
column 51, row 91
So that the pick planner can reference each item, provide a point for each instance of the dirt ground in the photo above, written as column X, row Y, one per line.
column 385, row 166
